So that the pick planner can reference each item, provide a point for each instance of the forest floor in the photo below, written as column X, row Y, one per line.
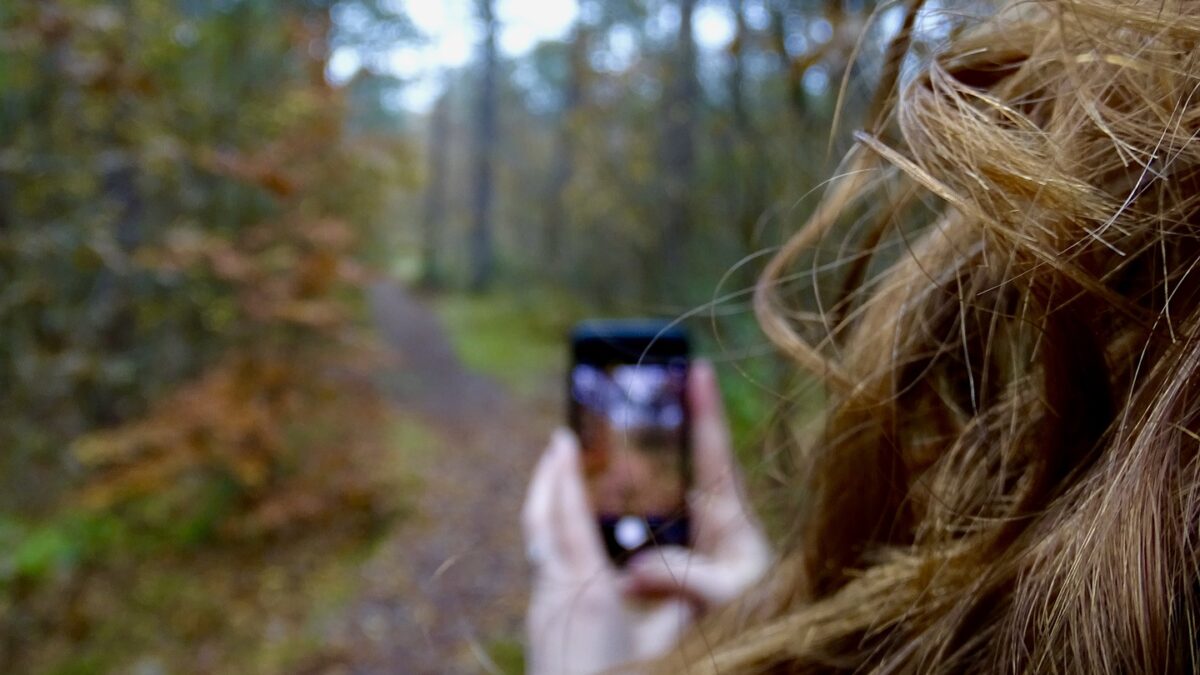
column 445, row 590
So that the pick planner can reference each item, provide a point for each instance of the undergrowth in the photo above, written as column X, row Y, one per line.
column 517, row 338
column 98, row 591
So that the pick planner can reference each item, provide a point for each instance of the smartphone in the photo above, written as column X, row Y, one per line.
column 627, row 405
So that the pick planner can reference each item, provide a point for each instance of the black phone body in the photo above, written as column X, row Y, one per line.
column 628, row 406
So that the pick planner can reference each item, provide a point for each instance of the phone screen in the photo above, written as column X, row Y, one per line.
column 628, row 407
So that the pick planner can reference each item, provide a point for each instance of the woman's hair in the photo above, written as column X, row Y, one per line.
column 1007, row 476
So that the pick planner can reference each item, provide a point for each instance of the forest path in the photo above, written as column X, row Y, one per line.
column 450, row 582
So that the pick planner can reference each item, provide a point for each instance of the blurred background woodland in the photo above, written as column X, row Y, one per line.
column 210, row 208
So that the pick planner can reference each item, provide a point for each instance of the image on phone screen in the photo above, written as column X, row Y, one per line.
column 631, row 420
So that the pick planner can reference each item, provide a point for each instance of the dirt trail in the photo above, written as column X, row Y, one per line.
column 451, row 578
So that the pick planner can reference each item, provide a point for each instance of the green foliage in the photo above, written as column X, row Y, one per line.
column 518, row 339
column 41, row 550
column 582, row 174
column 508, row 656
column 34, row 551
column 749, row 402
column 183, row 216
column 174, row 187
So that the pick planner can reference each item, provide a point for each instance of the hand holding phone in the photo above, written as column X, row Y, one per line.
column 586, row 614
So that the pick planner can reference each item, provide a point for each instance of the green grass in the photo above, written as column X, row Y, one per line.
column 508, row 655
column 519, row 340
column 414, row 444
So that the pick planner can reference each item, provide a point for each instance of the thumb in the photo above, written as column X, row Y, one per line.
column 575, row 529
column 673, row 570
column 712, row 447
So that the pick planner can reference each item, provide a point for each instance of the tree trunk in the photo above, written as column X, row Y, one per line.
column 737, row 71
column 678, row 147
column 482, row 252
column 434, row 209
column 792, row 69
column 751, row 196
column 564, row 157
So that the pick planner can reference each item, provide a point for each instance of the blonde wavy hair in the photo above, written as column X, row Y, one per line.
column 1007, row 477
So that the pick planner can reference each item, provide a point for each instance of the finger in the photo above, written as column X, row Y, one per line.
column 659, row 626
column 676, row 571
column 575, row 531
column 537, row 514
column 711, row 445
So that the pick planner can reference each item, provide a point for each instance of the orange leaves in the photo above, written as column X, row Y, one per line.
column 316, row 274
column 301, row 283
column 263, row 169
column 344, row 472
column 311, row 313
column 298, row 445
column 282, row 272
column 202, row 204
column 230, row 419
column 329, row 234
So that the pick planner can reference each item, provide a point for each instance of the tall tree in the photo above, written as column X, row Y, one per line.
column 737, row 70
column 678, row 144
column 564, row 155
column 482, row 248
column 793, row 71
column 749, row 202
column 433, row 215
